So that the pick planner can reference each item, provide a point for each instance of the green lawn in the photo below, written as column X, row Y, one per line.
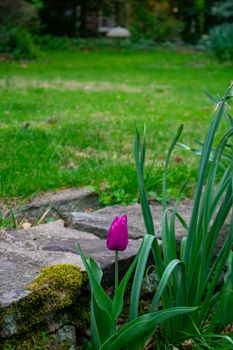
column 69, row 118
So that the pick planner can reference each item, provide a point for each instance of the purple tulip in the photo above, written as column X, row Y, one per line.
column 117, row 238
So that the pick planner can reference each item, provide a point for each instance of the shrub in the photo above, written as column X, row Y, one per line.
column 49, row 42
column 19, row 42
column 220, row 41
column 18, row 12
column 18, row 24
column 222, row 9
column 154, row 21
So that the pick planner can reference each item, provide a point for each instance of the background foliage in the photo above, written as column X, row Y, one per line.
column 19, row 23
column 23, row 22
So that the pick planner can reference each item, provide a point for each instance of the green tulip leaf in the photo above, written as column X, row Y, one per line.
column 136, row 332
column 96, row 269
column 101, row 296
column 103, row 324
column 139, row 273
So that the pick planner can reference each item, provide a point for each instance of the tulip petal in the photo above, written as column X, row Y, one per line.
column 117, row 237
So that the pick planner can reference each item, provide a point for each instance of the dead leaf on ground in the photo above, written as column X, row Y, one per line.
column 26, row 225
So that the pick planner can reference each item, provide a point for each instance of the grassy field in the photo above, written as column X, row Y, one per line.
column 69, row 119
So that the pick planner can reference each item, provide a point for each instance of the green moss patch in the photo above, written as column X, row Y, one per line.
column 60, row 280
column 39, row 340
column 56, row 288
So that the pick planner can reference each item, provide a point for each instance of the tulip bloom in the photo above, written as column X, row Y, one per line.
column 117, row 238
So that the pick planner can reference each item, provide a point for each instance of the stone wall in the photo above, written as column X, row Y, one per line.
column 44, row 294
column 52, row 313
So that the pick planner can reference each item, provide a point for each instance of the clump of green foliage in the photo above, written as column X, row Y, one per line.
column 19, row 23
column 191, row 300
column 220, row 41
column 192, row 276
column 38, row 340
column 154, row 20
column 19, row 42
column 7, row 219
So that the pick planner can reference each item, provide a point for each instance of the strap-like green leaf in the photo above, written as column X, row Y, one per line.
column 104, row 324
column 97, row 272
column 101, row 297
column 163, row 282
column 139, row 161
column 207, row 147
column 140, row 329
column 171, row 148
column 139, row 273
column 146, row 212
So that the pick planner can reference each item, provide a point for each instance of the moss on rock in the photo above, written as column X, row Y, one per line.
column 56, row 288
column 59, row 278
column 80, row 312
column 38, row 340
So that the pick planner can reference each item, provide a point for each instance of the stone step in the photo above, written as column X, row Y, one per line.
column 23, row 253
column 30, row 299
column 98, row 222
column 58, row 204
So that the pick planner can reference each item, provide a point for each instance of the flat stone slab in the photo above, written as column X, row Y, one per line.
column 58, row 203
column 98, row 222
column 97, row 250
column 32, row 238
column 19, row 268
column 23, row 253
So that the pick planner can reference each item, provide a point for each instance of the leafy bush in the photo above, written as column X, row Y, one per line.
column 154, row 21
column 220, row 41
column 19, row 42
column 18, row 24
column 18, row 12
column 222, row 9
column 49, row 42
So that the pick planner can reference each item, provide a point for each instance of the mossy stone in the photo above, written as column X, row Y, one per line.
column 56, row 288
column 38, row 340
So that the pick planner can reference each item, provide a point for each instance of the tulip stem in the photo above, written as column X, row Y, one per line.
column 116, row 270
